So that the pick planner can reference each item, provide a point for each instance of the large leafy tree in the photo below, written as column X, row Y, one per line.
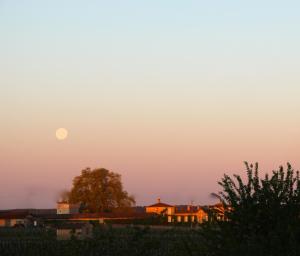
column 263, row 213
column 99, row 190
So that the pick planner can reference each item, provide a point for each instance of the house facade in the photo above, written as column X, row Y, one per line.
column 191, row 214
column 15, row 218
column 187, row 213
column 159, row 207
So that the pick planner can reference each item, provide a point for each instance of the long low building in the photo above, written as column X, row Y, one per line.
column 13, row 218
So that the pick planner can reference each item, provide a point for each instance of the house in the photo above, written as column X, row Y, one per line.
column 186, row 213
column 67, row 208
column 219, row 211
column 19, row 218
column 78, row 230
column 178, row 213
column 11, row 218
column 100, row 217
column 190, row 214
column 159, row 208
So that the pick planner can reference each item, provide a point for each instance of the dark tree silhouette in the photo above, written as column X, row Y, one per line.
column 263, row 213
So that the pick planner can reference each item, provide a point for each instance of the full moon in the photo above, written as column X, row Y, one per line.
column 61, row 133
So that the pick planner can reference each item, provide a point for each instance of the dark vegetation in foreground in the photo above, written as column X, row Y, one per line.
column 263, row 214
column 108, row 241
column 263, row 219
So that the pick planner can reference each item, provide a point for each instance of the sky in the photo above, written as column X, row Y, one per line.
column 170, row 94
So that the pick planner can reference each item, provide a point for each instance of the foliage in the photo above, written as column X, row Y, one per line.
column 262, row 213
column 99, row 190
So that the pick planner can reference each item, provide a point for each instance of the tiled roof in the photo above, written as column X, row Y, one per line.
column 105, row 215
column 14, row 215
column 23, row 213
column 160, row 205
column 186, row 211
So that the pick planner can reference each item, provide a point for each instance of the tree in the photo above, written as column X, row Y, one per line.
column 263, row 213
column 99, row 190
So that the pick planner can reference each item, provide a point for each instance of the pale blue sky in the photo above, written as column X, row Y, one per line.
column 144, row 85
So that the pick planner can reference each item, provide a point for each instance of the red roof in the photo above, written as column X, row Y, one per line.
column 22, row 214
column 105, row 215
column 14, row 215
column 160, row 205
column 187, row 209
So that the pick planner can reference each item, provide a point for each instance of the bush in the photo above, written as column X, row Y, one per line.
column 263, row 214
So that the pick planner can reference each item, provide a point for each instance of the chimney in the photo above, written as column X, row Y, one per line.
column 189, row 207
column 158, row 200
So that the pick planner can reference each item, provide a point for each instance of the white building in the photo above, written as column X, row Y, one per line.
column 67, row 208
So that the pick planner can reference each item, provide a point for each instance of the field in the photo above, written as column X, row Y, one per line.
column 106, row 241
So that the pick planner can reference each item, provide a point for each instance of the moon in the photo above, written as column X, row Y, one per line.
column 61, row 133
